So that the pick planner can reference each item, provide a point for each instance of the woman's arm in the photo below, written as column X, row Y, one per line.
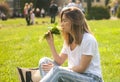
column 58, row 58
column 84, row 63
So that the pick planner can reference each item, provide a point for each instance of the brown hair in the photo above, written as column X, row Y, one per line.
column 78, row 27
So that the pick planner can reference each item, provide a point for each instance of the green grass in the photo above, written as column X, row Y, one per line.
column 21, row 46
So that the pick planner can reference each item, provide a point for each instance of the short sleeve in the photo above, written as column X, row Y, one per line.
column 64, row 49
column 89, row 47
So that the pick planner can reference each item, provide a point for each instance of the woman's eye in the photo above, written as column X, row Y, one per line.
column 64, row 21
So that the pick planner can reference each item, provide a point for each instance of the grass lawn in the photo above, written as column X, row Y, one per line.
column 21, row 46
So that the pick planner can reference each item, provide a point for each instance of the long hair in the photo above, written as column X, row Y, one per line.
column 78, row 25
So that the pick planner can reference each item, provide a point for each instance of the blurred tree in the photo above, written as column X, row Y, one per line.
column 106, row 2
column 88, row 5
column 2, row 1
column 118, row 12
column 112, row 2
column 42, row 4
column 4, row 8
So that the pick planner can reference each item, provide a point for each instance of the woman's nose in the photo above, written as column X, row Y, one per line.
column 62, row 23
column 61, row 26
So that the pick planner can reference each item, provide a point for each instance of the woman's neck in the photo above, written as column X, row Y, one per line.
column 73, row 45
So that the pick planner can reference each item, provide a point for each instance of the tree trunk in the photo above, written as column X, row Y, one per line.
column 106, row 2
column 89, row 5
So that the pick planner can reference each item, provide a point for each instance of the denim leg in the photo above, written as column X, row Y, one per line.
column 59, row 73
column 95, row 77
column 52, row 75
column 45, row 60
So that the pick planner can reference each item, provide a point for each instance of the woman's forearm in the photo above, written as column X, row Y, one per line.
column 55, row 55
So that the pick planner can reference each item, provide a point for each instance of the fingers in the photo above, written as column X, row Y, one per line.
column 49, row 37
column 47, row 67
column 48, row 33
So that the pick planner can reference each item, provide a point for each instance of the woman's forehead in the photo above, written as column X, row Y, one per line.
column 64, row 16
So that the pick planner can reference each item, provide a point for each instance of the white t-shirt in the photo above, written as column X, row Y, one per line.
column 88, row 46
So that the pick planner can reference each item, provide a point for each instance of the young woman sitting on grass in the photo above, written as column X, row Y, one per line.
column 80, row 48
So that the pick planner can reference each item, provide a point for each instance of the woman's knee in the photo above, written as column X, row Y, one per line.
column 44, row 60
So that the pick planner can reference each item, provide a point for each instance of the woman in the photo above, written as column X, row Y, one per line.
column 81, row 49
column 26, row 7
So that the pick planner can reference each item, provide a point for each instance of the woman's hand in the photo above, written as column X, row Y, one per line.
column 47, row 67
column 49, row 38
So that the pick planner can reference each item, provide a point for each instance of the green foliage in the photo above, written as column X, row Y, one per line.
column 20, row 46
column 54, row 30
column 98, row 13
column 118, row 12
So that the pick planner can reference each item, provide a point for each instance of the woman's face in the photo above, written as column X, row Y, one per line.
column 65, row 24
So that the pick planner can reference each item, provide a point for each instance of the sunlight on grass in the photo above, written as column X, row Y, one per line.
column 20, row 46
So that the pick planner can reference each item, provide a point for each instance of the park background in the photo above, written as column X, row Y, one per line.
column 23, row 46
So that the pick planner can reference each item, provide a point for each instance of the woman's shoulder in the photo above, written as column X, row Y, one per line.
column 89, row 37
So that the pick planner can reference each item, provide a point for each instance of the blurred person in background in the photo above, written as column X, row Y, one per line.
column 80, row 6
column 70, row 3
column 32, row 17
column 53, row 11
column 43, row 12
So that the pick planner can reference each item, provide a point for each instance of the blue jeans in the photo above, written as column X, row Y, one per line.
column 61, row 74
